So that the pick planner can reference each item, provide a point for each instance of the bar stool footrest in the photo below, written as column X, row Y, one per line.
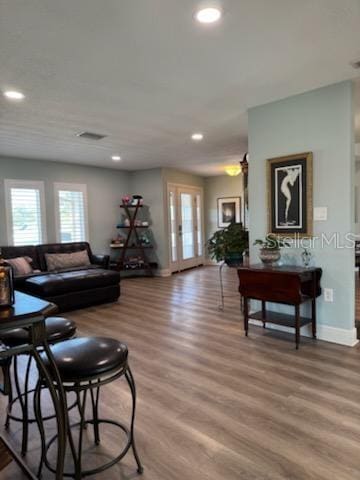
column 11, row 416
column 105, row 466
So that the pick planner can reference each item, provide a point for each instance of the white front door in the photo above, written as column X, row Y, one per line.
column 185, row 227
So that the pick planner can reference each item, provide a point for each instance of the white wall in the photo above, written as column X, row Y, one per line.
column 152, row 184
column 219, row 187
column 357, row 197
column 148, row 183
column 105, row 188
column 320, row 121
column 172, row 175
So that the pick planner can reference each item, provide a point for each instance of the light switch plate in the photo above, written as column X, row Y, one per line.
column 320, row 214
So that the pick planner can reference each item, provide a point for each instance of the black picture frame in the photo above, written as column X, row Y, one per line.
column 290, row 201
column 228, row 211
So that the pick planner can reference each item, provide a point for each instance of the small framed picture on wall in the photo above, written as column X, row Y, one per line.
column 290, row 200
column 229, row 211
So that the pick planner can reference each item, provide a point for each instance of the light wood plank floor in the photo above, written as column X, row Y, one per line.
column 216, row 405
column 357, row 297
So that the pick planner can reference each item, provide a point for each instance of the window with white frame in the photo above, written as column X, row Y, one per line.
column 71, row 212
column 25, row 212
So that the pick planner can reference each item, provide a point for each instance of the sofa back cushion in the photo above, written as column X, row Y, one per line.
column 61, row 248
column 62, row 261
column 25, row 251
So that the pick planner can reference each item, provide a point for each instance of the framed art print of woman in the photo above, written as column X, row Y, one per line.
column 290, row 202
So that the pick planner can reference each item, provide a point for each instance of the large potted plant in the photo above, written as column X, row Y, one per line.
column 270, row 248
column 229, row 244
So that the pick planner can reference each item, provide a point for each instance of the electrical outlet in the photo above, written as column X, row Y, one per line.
column 328, row 294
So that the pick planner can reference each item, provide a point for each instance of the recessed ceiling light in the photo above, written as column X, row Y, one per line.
column 197, row 137
column 14, row 95
column 208, row 15
column 116, row 158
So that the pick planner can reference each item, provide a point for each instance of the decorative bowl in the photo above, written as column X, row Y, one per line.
column 269, row 256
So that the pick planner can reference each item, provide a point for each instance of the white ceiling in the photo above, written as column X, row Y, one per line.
column 144, row 73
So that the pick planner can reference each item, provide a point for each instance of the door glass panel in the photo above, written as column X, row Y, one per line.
column 187, row 222
column 199, row 226
column 172, row 208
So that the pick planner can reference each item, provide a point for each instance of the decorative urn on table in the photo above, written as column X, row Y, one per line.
column 7, row 293
column 270, row 248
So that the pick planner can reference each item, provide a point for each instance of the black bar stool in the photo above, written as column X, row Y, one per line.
column 58, row 329
column 85, row 365
column 5, row 364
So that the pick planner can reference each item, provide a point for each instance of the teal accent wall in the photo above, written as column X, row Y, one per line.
column 105, row 188
column 320, row 121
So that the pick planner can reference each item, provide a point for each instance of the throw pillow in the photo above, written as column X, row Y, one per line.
column 21, row 265
column 60, row 261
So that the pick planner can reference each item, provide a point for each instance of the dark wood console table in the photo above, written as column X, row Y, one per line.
column 286, row 285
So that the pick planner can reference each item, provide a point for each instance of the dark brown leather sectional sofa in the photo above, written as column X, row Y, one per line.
column 71, row 288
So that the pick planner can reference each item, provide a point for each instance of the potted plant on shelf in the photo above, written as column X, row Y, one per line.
column 270, row 248
column 229, row 244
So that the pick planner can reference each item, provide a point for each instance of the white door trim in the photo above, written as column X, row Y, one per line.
column 176, row 187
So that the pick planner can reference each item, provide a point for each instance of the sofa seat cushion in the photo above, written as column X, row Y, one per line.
column 52, row 284
column 19, row 282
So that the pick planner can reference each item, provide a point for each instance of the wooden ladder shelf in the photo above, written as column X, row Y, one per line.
column 133, row 241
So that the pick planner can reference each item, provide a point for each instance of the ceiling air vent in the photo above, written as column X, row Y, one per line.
column 91, row 135
column 356, row 64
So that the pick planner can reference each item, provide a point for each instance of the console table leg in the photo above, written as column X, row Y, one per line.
column 313, row 318
column 297, row 325
column 263, row 308
column 246, row 315
column 313, row 307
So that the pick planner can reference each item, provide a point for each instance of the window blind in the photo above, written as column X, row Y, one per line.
column 26, row 216
column 72, row 216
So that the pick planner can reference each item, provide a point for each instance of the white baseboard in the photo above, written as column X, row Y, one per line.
column 164, row 272
column 338, row 335
column 326, row 333
column 210, row 262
